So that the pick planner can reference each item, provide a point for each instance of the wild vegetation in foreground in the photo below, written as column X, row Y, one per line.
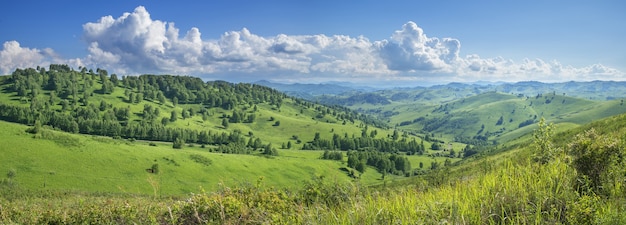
column 576, row 177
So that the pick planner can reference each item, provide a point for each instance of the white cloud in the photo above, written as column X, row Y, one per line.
column 14, row 56
column 410, row 49
column 134, row 43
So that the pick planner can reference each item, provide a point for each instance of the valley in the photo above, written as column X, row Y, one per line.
column 174, row 149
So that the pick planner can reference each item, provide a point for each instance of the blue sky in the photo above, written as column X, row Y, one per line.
column 369, row 42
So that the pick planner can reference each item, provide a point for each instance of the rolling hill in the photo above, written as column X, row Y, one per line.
column 196, row 133
column 472, row 113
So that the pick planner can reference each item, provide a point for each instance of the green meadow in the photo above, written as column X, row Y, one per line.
column 91, row 148
column 59, row 161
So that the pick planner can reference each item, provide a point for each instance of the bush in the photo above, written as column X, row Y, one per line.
column 178, row 143
column 598, row 159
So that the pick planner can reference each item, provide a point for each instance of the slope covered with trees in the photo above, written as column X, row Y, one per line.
column 156, row 107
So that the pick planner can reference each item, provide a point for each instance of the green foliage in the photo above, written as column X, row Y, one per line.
column 154, row 168
column 235, row 206
column 598, row 159
column 270, row 151
column 385, row 163
column 544, row 148
column 333, row 155
column 178, row 143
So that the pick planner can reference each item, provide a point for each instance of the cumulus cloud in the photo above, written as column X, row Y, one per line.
column 135, row 43
column 472, row 67
column 14, row 56
column 410, row 49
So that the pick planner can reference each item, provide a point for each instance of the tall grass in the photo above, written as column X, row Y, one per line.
column 514, row 193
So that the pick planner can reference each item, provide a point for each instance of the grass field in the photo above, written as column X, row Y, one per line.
column 59, row 161
column 504, row 188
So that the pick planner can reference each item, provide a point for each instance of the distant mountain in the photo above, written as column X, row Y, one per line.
column 594, row 90
column 306, row 91
column 480, row 112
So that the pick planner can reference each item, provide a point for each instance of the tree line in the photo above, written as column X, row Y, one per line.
column 364, row 142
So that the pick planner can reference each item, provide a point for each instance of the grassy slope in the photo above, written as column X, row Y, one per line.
column 464, row 117
column 98, row 164
column 293, row 122
column 505, row 188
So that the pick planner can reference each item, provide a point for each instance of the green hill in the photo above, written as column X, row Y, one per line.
column 89, row 147
column 491, row 116
column 505, row 187
column 246, row 131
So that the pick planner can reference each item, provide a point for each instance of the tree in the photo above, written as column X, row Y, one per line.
column 64, row 104
column 103, row 105
column 225, row 123
column 160, row 97
column 360, row 166
column 545, row 151
column 269, row 150
column 434, row 165
column 277, row 123
column 52, row 98
column 114, row 79
column 85, row 98
column 173, row 116
column 383, row 166
column 178, row 143
column 500, row 121
column 138, row 97
column 155, row 168
column 251, row 118
column 131, row 97
column 36, row 128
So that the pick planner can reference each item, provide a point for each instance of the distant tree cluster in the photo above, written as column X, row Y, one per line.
column 346, row 142
column 385, row 163
column 333, row 155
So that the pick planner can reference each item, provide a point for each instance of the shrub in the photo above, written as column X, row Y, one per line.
column 598, row 159
column 178, row 143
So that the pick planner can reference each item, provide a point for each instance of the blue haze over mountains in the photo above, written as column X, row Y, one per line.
column 592, row 90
